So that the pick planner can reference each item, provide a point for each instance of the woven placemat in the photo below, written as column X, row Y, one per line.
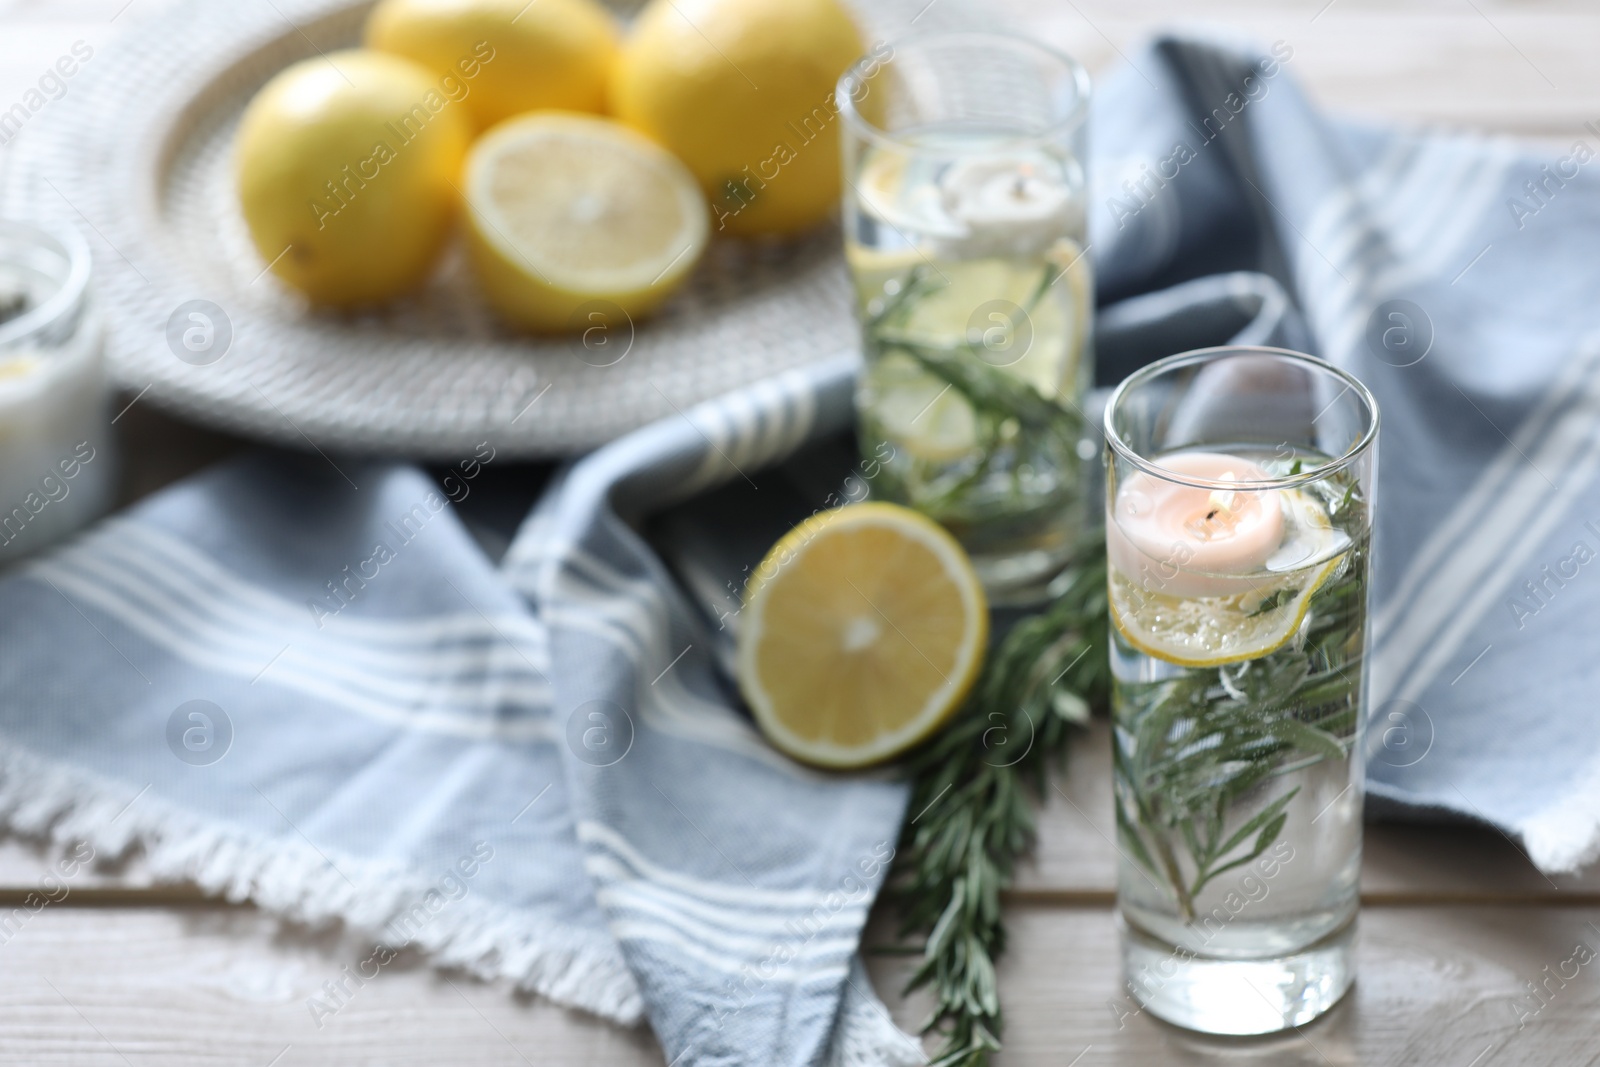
column 136, row 153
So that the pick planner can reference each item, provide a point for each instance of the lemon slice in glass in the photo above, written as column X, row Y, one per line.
column 565, row 210
column 918, row 411
column 985, row 301
column 1212, row 631
column 862, row 631
column 971, row 303
column 1261, row 616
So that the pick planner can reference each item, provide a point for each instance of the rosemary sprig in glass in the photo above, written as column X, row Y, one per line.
column 1188, row 748
column 1015, row 424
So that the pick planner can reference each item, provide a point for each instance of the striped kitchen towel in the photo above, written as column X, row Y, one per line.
column 305, row 685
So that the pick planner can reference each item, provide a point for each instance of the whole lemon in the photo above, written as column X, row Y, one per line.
column 742, row 92
column 504, row 57
column 346, row 167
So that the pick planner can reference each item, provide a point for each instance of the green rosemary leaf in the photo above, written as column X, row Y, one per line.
column 941, row 932
column 1070, row 706
column 1192, row 839
column 1134, row 843
column 1262, row 817
column 1273, row 601
column 1312, row 740
column 1269, row 834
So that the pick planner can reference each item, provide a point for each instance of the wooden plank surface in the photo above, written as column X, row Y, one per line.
column 1456, row 922
column 224, row 985
column 1436, row 986
column 213, row 985
column 1504, row 67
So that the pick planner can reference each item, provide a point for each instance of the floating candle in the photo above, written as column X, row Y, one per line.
column 1187, row 541
column 1008, row 205
column 988, row 204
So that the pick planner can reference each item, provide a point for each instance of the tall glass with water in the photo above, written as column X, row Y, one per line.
column 964, row 157
column 1239, row 503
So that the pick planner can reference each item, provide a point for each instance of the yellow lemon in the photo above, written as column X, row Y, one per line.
column 862, row 632
column 566, row 210
column 742, row 92
column 917, row 410
column 346, row 174
column 502, row 57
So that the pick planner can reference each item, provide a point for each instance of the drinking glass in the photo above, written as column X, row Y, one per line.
column 1239, row 501
column 964, row 163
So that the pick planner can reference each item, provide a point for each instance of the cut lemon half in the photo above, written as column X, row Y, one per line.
column 862, row 631
column 567, row 210
column 1213, row 631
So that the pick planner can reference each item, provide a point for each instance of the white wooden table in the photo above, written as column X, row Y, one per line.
column 1456, row 922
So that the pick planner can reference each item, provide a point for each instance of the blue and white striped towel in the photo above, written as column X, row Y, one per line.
column 306, row 686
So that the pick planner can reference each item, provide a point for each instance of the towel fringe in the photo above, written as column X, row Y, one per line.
column 864, row 1035
column 43, row 800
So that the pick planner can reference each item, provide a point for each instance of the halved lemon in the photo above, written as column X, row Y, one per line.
column 1213, row 631
column 567, row 210
column 862, row 631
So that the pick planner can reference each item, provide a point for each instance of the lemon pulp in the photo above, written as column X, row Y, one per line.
column 863, row 630
column 565, row 209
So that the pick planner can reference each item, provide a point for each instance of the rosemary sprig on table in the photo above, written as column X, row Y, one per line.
column 970, row 805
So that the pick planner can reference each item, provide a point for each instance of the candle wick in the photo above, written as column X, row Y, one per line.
column 1221, row 499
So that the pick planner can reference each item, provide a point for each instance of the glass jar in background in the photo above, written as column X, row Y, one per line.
column 57, row 446
column 1239, row 507
column 964, row 231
